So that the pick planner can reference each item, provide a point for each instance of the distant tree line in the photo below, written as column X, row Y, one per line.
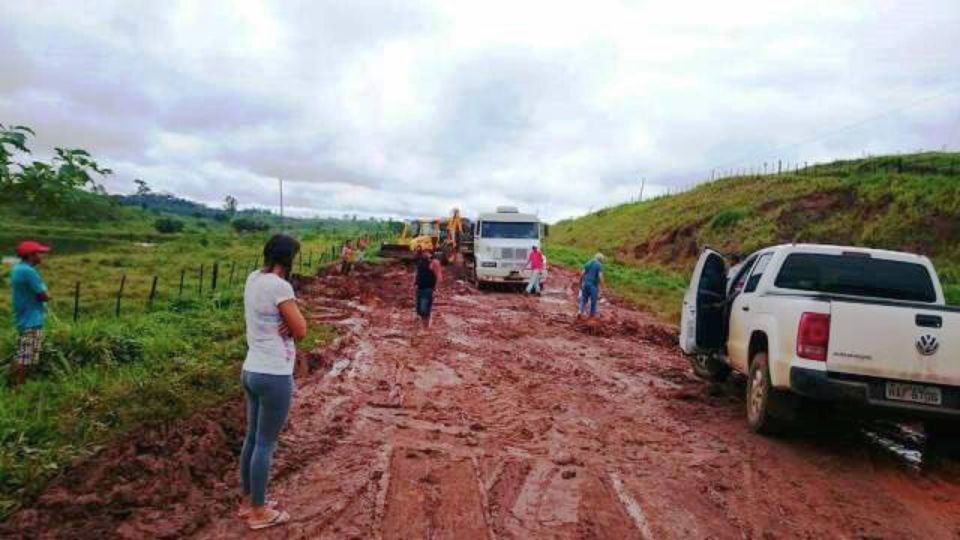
column 69, row 186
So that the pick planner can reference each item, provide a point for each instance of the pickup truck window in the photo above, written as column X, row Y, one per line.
column 757, row 273
column 857, row 276
column 737, row 276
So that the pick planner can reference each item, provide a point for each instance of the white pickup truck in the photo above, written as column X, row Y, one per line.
column 854, row 327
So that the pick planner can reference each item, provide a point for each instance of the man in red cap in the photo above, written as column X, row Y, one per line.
column 29, row 306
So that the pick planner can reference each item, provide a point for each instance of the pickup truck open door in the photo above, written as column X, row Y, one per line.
column 701, row 318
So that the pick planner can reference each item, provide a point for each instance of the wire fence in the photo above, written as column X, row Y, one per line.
column 921, row 162
column 222, row 279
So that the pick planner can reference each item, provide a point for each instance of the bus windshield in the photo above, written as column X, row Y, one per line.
column 507, row 229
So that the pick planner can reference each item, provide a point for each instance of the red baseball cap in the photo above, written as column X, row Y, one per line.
column 29, row 247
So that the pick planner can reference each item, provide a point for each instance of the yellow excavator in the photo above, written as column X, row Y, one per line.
column 443, row 235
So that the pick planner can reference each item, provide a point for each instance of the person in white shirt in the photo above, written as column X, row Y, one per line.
column 273, row 322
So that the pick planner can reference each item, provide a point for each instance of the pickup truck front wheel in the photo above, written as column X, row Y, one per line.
column 768, row 410
column 709, row 367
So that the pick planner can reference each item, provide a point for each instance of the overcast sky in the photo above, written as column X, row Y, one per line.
column 399, row 108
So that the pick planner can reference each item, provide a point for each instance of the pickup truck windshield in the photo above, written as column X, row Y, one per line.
column 503, row 229
column 857, row 276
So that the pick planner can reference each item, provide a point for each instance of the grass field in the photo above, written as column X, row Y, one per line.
column 100, row 268
column 909, row 202
column 103, row 376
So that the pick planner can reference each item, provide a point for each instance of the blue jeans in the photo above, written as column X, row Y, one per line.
column 589, row 292
column 268, row 402
column 534, row 285
column 424, row 302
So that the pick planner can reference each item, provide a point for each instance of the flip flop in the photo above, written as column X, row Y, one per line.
column 244, row 513
column 279, row 518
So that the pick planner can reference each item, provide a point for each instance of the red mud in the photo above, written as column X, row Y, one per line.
column 505, row 420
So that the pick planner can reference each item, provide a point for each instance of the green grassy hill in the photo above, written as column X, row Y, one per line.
column 908, row 202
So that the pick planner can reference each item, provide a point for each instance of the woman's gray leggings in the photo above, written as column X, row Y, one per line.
column 268, row 402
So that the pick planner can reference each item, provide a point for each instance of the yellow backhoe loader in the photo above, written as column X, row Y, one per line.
column 443, row 235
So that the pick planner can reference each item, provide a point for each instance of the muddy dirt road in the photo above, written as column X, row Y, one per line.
column 506, row 421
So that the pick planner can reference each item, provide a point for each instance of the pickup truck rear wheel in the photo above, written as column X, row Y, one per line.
column 768, row 409
column 709, row 368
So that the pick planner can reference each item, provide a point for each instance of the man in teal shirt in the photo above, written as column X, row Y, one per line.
column 29, row 307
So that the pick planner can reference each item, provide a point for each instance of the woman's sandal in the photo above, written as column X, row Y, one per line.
column 279, row 517
column 244, row 511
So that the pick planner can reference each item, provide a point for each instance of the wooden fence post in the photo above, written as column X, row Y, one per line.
column 153, row 292
column 183, row 274
column 76, row 303
column 200, row 282
column 123, row 282
column 214, row 274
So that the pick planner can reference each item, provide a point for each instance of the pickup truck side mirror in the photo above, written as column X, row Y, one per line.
column 546, row 231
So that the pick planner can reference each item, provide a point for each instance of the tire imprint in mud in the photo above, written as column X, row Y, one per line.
column 508, row 420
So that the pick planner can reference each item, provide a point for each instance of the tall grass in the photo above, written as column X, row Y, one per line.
column 103, row 378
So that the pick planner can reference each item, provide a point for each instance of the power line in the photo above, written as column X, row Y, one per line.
column 830, row 133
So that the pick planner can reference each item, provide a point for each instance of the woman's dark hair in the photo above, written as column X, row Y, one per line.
column 281, row 250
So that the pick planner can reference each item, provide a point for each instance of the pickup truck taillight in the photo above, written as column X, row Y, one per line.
column 813, row 336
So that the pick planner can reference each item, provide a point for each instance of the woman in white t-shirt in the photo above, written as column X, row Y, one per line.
column 273, row 323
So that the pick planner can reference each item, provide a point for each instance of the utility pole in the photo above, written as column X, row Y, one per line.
column 643, row 183
column 281, row 204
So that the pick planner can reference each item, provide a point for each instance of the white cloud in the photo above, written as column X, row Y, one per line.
column 414, row 107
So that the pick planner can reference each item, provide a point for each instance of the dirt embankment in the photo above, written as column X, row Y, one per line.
column 504, row 420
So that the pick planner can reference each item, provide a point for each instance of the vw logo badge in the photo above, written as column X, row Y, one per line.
column 927, row 345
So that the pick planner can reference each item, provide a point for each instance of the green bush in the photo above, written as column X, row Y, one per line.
column 168, row 225
column 246, row 224
column 728, row 218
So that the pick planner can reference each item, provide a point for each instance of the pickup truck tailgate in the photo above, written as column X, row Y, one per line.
column 894, row 341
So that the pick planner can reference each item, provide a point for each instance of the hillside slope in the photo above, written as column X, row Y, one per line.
column 908, row 202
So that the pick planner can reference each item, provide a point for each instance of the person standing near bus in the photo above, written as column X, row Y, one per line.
column 30, row 299
column 536, row 263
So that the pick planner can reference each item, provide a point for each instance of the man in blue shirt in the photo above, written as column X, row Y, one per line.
column 591, row 279
column 29, row 307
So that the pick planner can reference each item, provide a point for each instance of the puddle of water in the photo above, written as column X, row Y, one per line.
column 338, row 368
column 436, row 375
column 911, row 456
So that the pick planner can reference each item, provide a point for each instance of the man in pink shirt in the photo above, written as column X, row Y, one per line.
column 535, row 263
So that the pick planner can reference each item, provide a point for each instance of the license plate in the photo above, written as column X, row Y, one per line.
column 915, row 393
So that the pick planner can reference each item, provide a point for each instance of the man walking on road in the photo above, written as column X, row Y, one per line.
column 535, row 262
column 591, row 279
column 428, row 276
column 29, row 307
